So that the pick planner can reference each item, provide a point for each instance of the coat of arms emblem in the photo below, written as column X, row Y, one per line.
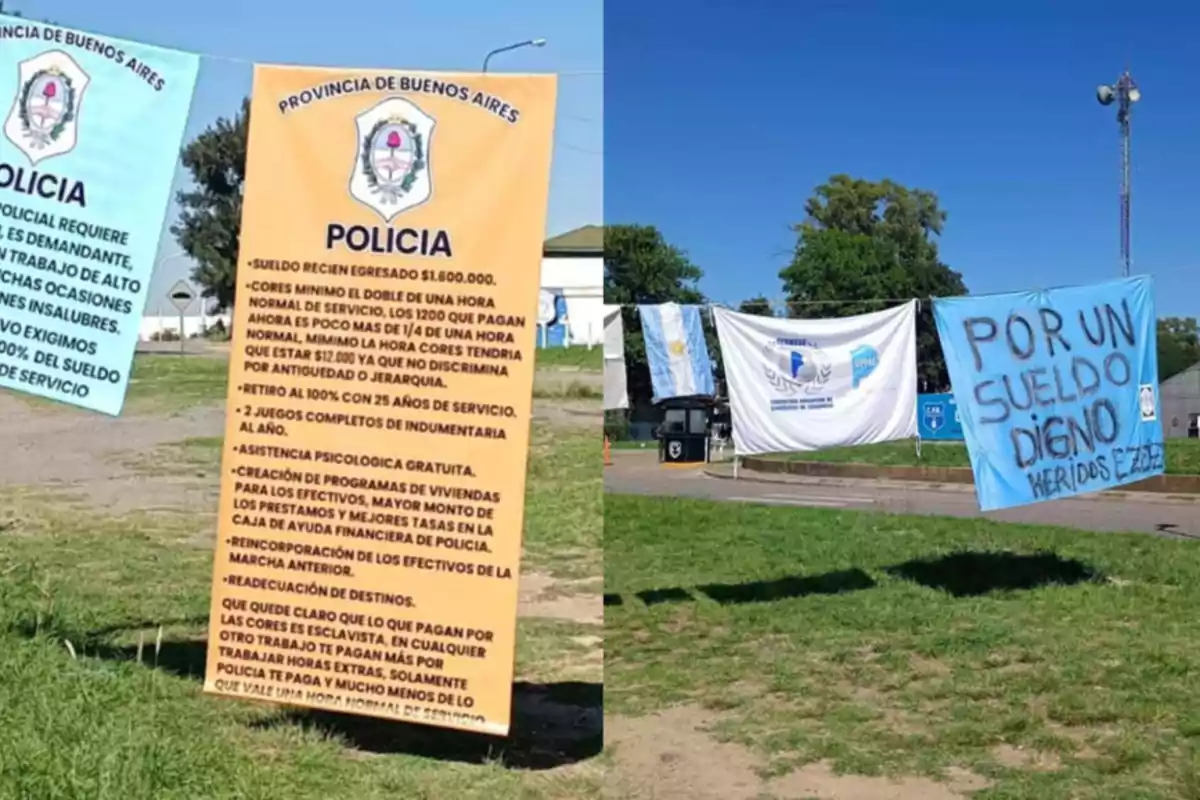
column 44, row 118
column 391, row 167
column 935, row 416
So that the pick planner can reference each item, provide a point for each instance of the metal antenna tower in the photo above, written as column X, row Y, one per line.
column 1124, row 93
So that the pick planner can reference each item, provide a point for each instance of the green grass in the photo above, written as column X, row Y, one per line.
column 651, row 446
column 564, row 506
column 101, row 725
column 168, row 383
column 574, row 390
column 564, row 503
column 894, row 675
column 571, row 358
column 1183, row 455
column 161, row 383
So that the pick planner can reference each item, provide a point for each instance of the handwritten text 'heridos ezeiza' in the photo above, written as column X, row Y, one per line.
column 1063, row 422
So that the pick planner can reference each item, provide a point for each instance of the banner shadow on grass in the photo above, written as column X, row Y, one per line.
column 967, row 573
column 554, row 724
column 767, row 591
column 970, row 573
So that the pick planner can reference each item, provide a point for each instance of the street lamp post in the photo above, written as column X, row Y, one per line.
column 518, row 45
column 1124, row 93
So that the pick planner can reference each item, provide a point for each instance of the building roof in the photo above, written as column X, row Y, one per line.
column 585, row 241
column 1183, row 376
column 1189, row 377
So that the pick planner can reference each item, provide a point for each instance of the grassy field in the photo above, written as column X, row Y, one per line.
column 571, row 358
column 87, row 720
column 164, row 384
column 565, row 390
column 1183, row 455
column 630, row 445
column 169, row 383
column 904, row 645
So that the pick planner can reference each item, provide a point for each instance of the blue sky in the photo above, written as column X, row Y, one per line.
column 434, row 35
column 722, row 117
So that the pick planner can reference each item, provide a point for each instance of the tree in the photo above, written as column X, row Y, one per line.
column 14, row 13
column 1178, row 345
column 211, row 212
column 760, row 306
column 869, row 245
column 642, row 268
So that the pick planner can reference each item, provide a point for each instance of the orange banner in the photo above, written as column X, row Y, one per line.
column 380, row 393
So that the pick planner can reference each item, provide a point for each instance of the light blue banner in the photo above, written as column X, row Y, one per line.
column 937, row 418
column 676, row 351
column 90, row 143
column 1057, row 390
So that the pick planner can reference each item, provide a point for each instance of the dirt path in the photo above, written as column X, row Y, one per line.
column 547, row 597
column 551, row 379
column 94, row 457
column 82, row 451
column 577, row 414
column 670, row 754
column 79, row 451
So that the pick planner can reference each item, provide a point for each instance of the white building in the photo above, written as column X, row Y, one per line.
column 1179, row 398
column 154, row 325
column 572, row 271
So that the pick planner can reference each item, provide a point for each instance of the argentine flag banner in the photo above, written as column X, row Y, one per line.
column 676, row 351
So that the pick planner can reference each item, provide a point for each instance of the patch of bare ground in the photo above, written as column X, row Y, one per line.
column 550, row 598
column 896, row 720
column 581, row 414
column 106, row 464
column 820, row 781
column 75, row 451
column 928, row 667
column 670, row 755
column 1081, row 738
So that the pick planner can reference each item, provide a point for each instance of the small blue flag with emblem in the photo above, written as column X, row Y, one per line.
column 863, row 361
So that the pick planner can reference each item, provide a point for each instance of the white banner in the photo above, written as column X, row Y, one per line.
column 807, row 384
column 616, row 394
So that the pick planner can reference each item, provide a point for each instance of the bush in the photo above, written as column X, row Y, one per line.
column 616, row 425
